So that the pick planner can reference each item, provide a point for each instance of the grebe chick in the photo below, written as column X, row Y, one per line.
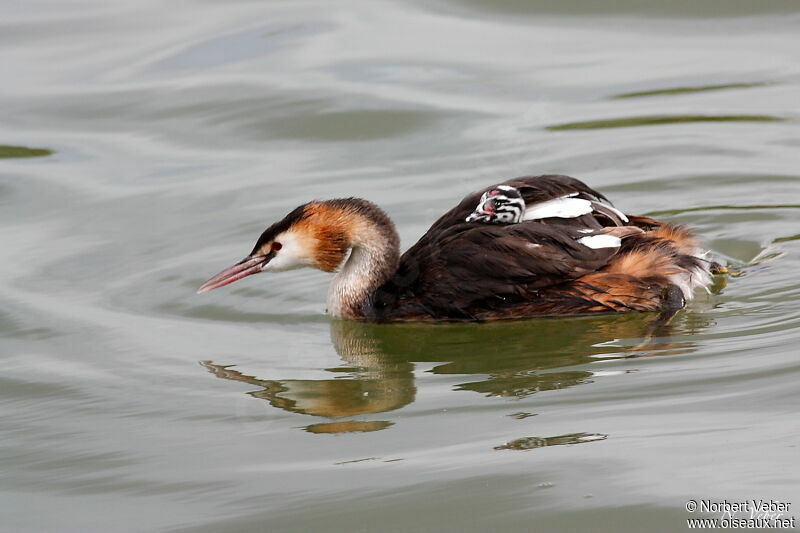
column 531, row 246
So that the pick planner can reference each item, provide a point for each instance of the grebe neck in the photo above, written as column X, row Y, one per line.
column 373, row 258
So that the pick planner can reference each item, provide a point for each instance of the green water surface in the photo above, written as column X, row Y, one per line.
column 145, row 145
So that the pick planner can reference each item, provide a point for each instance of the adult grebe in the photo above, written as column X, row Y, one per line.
column 530, row 246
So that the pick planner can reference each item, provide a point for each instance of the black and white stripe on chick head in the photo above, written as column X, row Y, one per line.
column 501, row 205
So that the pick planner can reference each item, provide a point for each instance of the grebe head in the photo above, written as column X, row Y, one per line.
column 314, row 235
column 501, row 205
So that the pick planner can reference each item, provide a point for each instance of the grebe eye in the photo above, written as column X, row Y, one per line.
column 276, row 246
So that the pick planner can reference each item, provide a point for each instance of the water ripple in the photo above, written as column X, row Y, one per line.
column 9, row 152
column 688, row 90
column 658, row 120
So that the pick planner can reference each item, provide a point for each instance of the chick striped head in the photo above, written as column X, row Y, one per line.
column 500, row 205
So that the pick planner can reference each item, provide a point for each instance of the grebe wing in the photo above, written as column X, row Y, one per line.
column 487, row 266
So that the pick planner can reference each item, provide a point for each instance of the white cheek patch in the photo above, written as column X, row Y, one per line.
column 600, row 241
column 291, row 255
column 565, row 207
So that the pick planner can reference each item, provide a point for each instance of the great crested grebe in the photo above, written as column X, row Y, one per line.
column 530, row 246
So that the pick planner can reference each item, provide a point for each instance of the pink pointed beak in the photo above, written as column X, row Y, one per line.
column 246, row 267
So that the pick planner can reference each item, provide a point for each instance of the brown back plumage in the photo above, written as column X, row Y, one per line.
column 473, row 271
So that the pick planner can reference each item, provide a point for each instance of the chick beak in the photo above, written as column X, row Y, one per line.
column 246, row 267
column 480, row 214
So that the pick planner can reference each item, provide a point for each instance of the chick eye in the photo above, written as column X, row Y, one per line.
column 276, row 246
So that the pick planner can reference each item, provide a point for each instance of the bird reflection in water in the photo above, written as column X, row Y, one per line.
column 511, row 359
